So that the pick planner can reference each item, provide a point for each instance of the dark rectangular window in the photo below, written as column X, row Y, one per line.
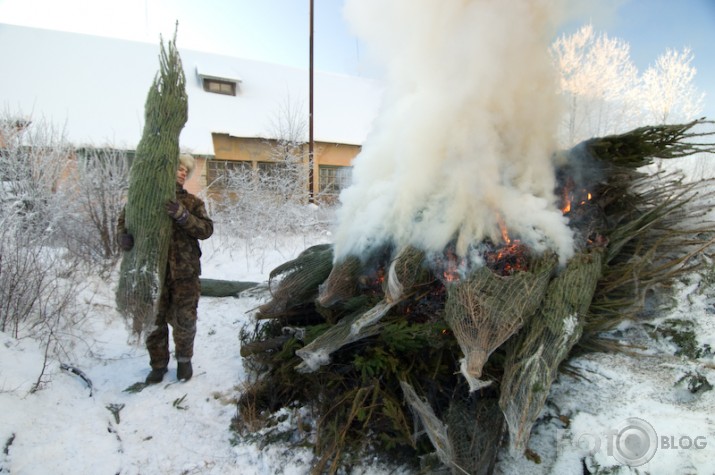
column 220, row 87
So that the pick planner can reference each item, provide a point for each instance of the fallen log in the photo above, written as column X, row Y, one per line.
column 224, row 288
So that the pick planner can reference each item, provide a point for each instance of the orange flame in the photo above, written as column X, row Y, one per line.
column 511, row 256
column 503, row 229
column 567, row 197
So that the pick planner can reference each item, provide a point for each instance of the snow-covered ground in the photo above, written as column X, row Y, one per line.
column 184, row 428
column 170, row 428
column 655, row 399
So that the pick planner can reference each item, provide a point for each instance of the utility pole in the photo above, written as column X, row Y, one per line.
column 311, row 190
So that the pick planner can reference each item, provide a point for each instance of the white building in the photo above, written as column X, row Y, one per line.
column 95, row 88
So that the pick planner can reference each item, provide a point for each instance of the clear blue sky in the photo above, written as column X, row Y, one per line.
column 277, row 30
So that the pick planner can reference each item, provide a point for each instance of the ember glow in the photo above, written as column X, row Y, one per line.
column 511, row 257
column 508, row 259
column 453, row 266
column 466, row 131
column 572, row 197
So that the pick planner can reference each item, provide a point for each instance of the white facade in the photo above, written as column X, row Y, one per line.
column 95, row 89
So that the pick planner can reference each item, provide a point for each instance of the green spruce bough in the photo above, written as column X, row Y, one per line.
column 152, row 182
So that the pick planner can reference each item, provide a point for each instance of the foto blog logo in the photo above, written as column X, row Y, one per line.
column 633, row 442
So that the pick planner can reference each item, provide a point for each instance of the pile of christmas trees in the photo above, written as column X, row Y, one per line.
column 375, row 346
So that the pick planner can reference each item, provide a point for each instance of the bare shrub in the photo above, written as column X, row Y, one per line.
column 32, row 164
column 96, row 197
column 38, row 283
column 263, row 206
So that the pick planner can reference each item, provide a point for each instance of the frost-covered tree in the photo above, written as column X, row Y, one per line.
column 667, row 91
column 34, row 160
column 605, row 94
column 598, row 82
column 152, row 182
column 262, row 205
column 289, row 179
column 288, row 123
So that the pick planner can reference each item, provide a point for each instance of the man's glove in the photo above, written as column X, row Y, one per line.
column 126, row 241
column 177, row 211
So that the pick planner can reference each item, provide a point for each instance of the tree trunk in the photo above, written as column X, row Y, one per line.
column 224, row 288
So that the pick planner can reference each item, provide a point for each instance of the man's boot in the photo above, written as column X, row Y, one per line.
column 184, row 371
column 156, row 375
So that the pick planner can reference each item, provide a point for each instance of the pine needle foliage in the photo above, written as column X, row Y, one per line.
column 657, row 222
column 297, row 280
column 152, row 182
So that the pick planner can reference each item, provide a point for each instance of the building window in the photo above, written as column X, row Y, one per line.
column 333, row 179
column 220, row 87
column 271, row 169
column 217, row 171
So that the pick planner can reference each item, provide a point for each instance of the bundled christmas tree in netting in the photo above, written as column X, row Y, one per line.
column 486, row 309
column 152, row 182
column 395, row 353
column 637, row 232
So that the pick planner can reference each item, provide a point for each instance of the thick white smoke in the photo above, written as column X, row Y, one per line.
column 466, row 132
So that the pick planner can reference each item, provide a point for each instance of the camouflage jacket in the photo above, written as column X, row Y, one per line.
column 184, row 251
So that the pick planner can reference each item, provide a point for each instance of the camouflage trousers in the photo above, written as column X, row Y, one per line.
column 177, row 307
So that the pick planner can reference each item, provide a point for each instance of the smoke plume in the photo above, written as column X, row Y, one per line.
column 466, row 133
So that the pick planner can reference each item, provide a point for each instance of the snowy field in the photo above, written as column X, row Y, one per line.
column 184, row 428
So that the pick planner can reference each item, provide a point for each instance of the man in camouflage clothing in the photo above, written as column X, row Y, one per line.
column 180, row 295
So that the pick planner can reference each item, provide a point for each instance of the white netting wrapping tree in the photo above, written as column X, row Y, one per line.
column 486, row 309
column 152, row 182
column 544, row 342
